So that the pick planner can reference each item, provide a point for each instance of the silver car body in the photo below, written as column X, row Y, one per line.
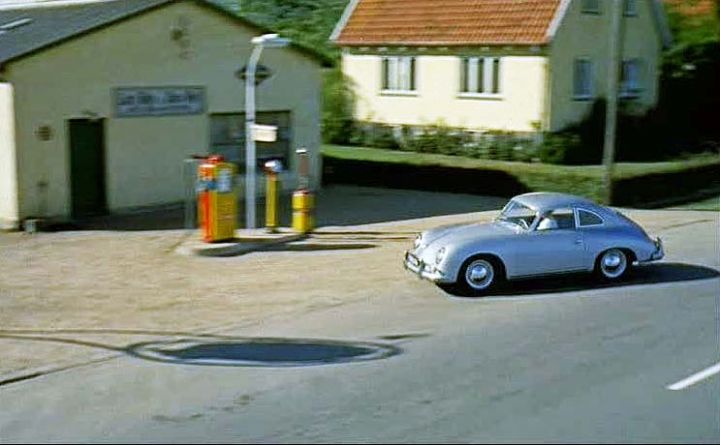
column 440, row 253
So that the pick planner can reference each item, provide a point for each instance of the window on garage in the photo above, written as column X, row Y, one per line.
column 227, row 137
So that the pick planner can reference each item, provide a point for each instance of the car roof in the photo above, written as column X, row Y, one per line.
column 540, row 201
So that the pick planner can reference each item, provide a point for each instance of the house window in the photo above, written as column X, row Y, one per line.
column 398, row 73
column 590, row 6
column 630, row 78
column 480, row 75
column 583, row 79
column 630, row 8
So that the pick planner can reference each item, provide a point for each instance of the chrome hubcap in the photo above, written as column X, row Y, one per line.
column 479, row 274
column 613, row 263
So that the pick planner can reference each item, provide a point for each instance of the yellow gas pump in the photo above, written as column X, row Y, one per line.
column 217, row 200
column 272, row 168
column 303, row 201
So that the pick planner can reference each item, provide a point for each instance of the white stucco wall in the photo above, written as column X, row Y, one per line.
column 144, row 154
column 438, row 98
column 8, row 166
column 587, row 36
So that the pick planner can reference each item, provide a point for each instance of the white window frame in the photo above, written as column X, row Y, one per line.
column 630, row 8
column 589, row 92
column 630, row 78
column 399, row 77
column 477, row 85
column 590, row 6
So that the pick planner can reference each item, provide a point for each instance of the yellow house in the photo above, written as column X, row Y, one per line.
column 507, row 65
column 102, row 101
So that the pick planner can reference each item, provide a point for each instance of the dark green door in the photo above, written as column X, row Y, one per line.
column 87, row 167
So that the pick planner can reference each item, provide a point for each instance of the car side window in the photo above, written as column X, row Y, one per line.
column 559, row 219
column 588, row 218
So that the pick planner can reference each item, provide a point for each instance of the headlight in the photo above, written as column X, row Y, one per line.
column 440, row 255
column 418, row 241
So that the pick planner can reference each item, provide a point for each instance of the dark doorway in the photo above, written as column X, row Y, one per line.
column 87, row 167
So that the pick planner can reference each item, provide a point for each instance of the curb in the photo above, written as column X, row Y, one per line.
column 240, row 246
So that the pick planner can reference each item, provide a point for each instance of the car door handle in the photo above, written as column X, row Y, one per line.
column 578, row 241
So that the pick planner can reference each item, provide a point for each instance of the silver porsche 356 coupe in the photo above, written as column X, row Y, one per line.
column 535, row 234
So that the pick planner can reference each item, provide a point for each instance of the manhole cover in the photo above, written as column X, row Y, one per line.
column 271, row 352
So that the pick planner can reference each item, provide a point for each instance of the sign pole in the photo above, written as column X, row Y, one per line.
column 250, row 137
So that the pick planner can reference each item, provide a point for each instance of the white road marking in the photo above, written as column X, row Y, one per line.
column 695, row 378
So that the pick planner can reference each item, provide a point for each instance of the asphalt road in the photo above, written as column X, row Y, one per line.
column 547, row 361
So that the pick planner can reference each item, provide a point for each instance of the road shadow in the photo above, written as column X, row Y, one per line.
column 213, row 350
column 319, row 247
column 261, row 352
column 656, row 273
column 336, row 205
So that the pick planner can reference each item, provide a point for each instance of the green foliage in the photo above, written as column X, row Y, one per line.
column 306, row 21
column 338, row 103
column 578, row 144
column 374, row 135
column 689, row 86
column 439, row 138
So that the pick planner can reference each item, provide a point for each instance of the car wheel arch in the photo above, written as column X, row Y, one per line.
column 495, row 259
column 629, row 253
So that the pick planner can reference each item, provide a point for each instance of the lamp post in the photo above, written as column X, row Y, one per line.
column 260, row 42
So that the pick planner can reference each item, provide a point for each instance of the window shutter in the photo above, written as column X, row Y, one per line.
column 385, row 73
column 496, row 75
column 412, row 74
column 480, row 76
column 464, row 75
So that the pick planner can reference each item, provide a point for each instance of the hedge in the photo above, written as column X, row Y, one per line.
column 639, row 185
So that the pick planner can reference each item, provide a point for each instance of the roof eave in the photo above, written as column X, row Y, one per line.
column 435, row 44
column 340, row 26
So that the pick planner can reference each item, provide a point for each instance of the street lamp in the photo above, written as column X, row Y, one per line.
column 260, row 42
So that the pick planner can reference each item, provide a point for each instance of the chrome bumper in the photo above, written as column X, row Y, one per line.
column 422, row 269
column 658, row 254
column 659, row 251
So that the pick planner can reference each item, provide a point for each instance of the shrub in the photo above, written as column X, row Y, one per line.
column 440, row 138
column 337, row 113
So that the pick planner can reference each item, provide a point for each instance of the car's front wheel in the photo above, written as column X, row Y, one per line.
column 612, row 264
column 479, row 275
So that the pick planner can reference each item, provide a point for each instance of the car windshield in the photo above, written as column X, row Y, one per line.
column 517, row 214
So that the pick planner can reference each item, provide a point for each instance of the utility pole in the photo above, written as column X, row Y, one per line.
column 613, row 74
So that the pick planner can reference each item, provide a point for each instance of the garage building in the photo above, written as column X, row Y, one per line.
column 102, row 101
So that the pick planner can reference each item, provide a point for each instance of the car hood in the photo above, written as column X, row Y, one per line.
column 458, row 233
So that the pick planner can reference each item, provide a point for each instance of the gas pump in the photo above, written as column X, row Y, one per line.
column 303, row 200
column 272, row 169
column 217, row 200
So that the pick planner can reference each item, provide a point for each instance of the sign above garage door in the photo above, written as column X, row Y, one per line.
column 159, row 101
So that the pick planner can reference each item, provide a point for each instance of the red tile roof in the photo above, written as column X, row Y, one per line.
column 449, row 22
column 692, row 8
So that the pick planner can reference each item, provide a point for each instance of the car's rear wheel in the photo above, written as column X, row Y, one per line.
column 612, row 264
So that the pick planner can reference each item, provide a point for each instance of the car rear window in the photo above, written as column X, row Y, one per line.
column 589, row 218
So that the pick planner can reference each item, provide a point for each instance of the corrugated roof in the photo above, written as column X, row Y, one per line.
column 52, row 24
column 45, row 26
column 448, row 22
